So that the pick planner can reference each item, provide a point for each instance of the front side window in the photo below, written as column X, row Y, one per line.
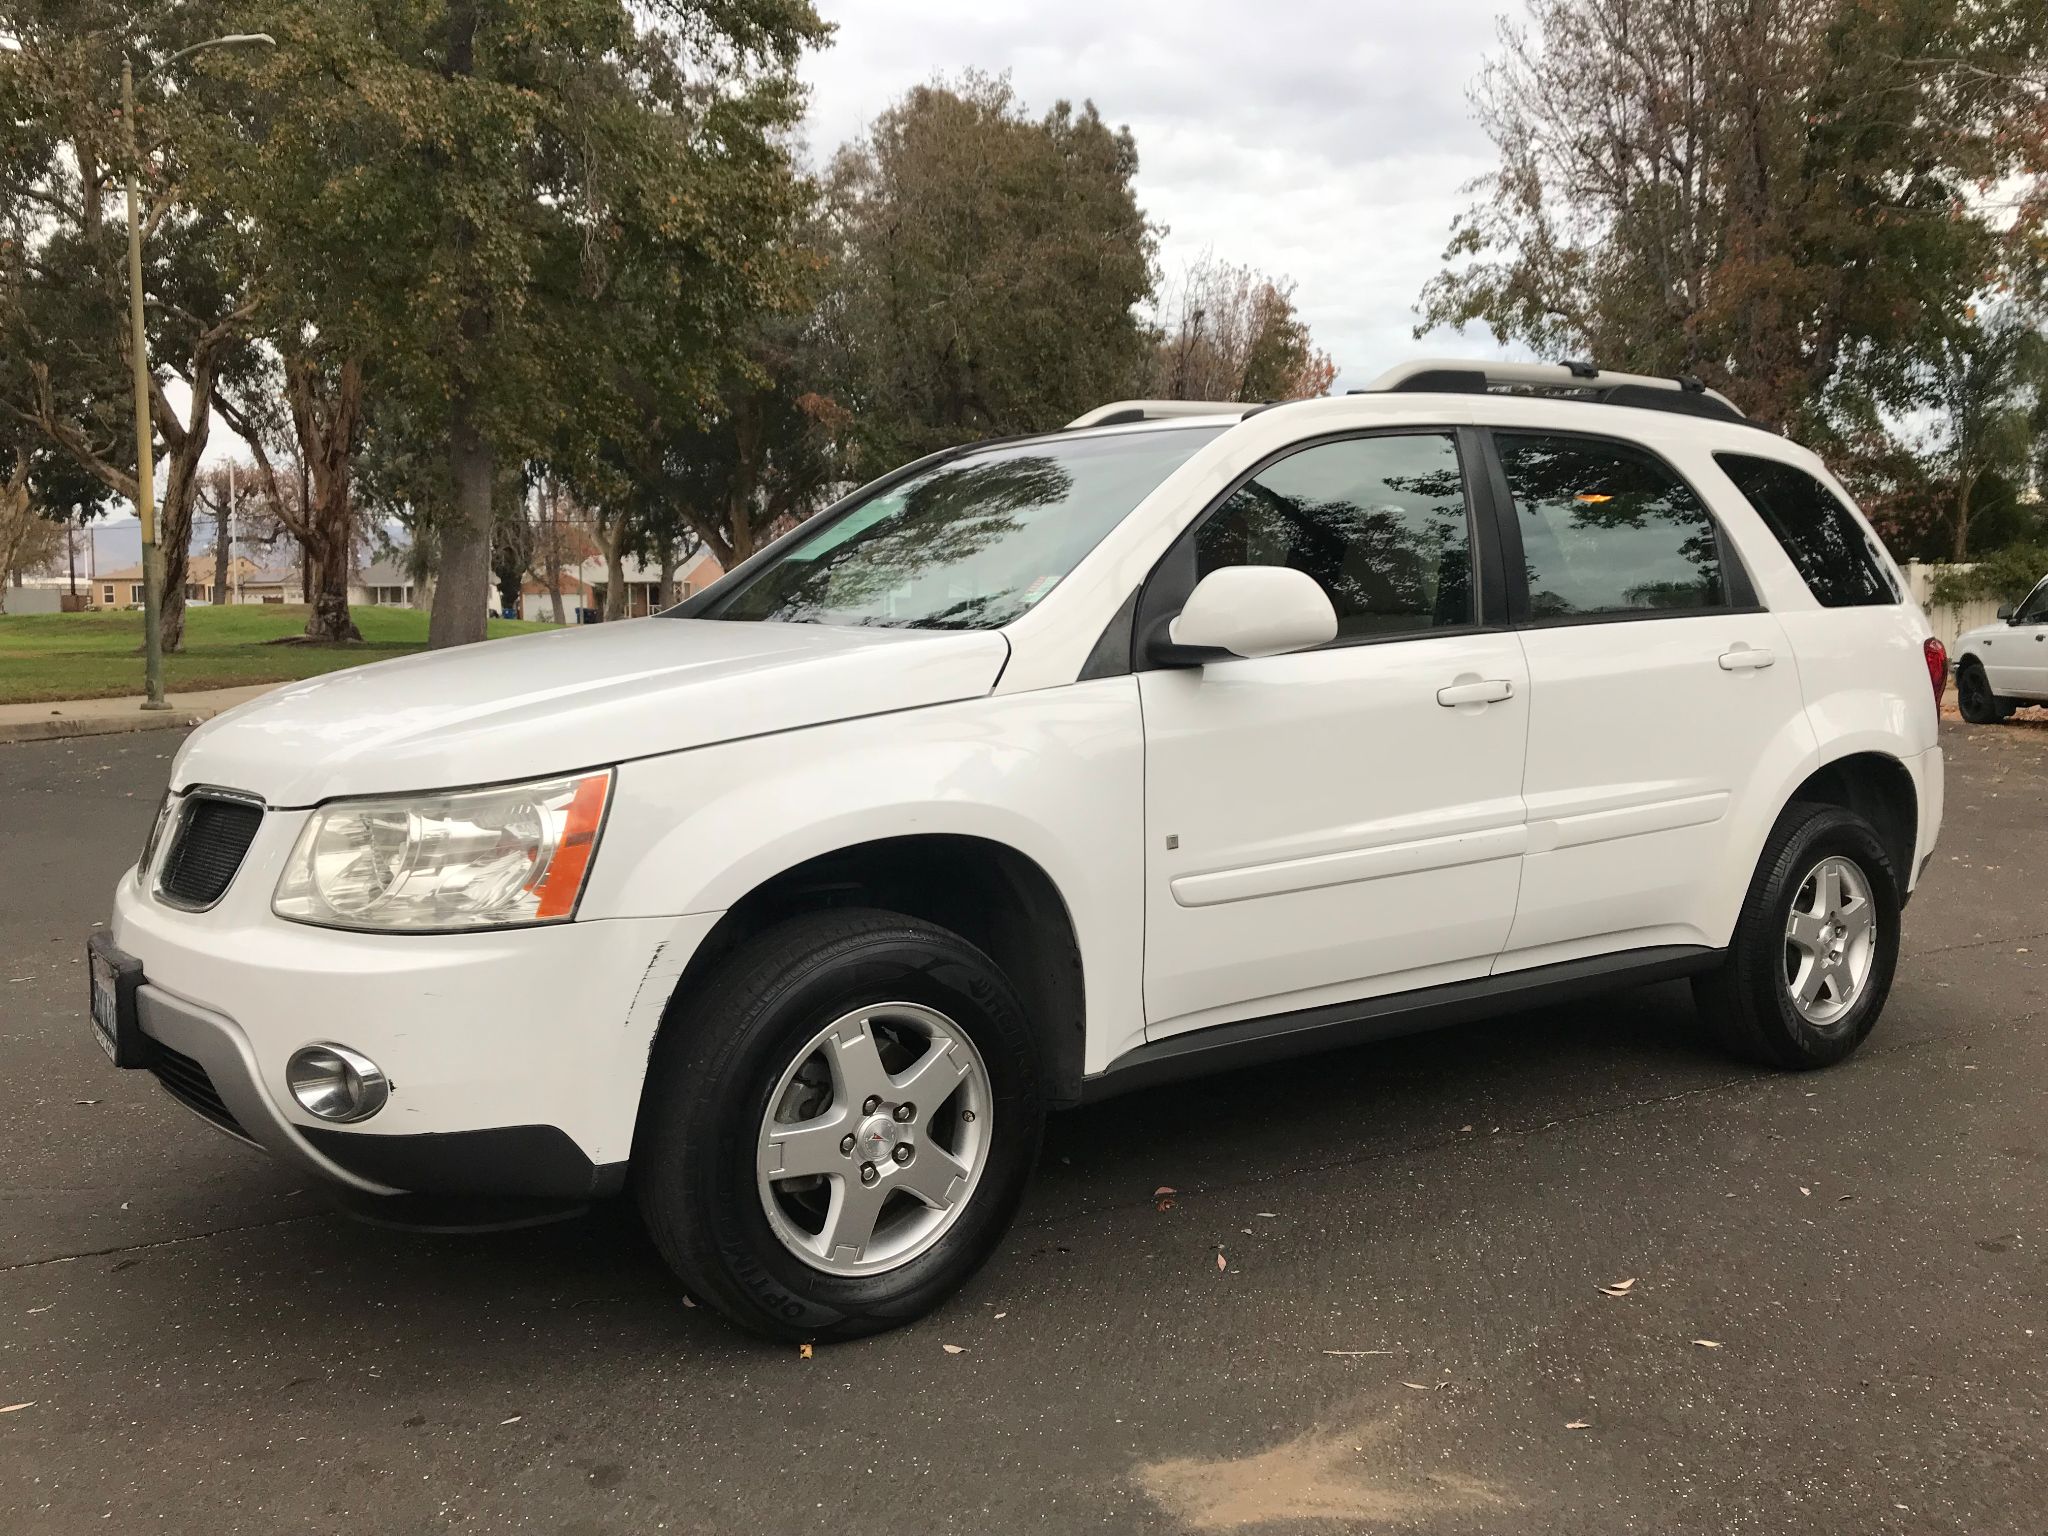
column 1379, row 522
column 972, row 543
column 1841, row 566
column 1607, row 529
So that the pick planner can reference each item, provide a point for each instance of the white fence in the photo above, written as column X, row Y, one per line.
column 1950, row 620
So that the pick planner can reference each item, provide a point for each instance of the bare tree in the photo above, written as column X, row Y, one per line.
column 1232, row 333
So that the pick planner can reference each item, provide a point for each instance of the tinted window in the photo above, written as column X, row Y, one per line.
column 1379, row 522
column 969, row 544
column 1606, row 528
column 1833, row 553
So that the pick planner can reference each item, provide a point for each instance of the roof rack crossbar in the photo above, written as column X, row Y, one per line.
column 1435, row 374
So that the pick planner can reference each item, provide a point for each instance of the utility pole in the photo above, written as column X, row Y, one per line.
column 138, row 356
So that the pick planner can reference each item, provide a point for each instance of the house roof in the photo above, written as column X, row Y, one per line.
column 200, row 569
column 385, row 573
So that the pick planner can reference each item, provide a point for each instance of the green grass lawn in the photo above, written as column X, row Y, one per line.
column 47, row 656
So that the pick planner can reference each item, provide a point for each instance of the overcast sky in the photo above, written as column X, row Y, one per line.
column 1323, row 140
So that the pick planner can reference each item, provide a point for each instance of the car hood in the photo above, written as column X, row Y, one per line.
column 573, row 698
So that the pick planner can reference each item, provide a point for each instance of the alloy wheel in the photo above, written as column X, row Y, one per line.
column 874, row 1139
column 1830, row 941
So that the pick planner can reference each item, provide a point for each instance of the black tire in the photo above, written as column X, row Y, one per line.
column 1974, row 699
column 708, row 1087
column 1746, row 1000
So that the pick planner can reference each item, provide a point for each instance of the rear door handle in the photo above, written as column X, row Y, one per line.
column 1489, row 690
column 1746, row 658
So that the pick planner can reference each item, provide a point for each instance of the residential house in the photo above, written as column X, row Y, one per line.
column 584, row 584
column 248, row 582
column 383, row 584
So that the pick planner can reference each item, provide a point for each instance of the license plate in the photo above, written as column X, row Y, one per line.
column 115, row 1024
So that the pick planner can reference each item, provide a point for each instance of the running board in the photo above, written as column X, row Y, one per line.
column 1247, row 1042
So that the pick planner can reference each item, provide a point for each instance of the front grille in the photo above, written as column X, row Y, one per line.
column 207, row 849
column 186, row 1081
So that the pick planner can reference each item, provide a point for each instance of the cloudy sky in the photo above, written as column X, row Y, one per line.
column 1325, row 140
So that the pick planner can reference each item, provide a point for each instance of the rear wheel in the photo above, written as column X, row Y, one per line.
column 1814, row 949
column 1974, row 699
column 838, row 1132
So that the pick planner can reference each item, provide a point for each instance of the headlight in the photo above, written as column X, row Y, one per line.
column 472, row 858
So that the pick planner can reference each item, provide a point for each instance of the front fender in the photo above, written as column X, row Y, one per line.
column 1056, row 775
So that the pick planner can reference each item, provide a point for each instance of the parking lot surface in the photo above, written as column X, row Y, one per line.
column 1838, row 1321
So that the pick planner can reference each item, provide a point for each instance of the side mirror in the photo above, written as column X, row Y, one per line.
column 1253, row 610
column 2005, row 612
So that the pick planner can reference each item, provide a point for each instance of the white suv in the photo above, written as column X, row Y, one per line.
column 1042, row 769
column 2004, row 665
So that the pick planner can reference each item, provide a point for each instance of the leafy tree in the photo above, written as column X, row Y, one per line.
column 538, row 202
column 1783, row 197
column 989, row 269
column 1234, row 334
column 2006, row 576
column 1990, row 381
column 64, row 335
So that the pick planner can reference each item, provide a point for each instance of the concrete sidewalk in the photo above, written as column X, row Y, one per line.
column 107, row 717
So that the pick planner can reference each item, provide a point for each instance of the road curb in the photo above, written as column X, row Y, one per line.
column 58, row 727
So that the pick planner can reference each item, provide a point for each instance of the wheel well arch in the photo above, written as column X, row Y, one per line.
column 998, row 899
column 1879, row 788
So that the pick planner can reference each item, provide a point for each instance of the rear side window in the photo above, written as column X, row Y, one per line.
column 1834, row 554
column 1607, row 529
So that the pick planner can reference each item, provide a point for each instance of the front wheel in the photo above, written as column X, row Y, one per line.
column 1811, row 961
column 838, row 1132
column 1975, row 701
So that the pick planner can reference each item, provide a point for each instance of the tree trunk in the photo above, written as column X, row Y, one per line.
column 223, row 520
column 174, row 530
column 327, row 573
column 615, row 568
column 669, row 561
column 1960, row 550
column 462, row 591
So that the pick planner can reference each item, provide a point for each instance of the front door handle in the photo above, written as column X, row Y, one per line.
column 1487, row 690
column 1745, row 658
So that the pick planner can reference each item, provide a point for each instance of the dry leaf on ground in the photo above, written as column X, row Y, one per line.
column 954, row 1349
column 1708, row 1343
column 803, row 1351
column 1618, row 1288
column 1580, row 1424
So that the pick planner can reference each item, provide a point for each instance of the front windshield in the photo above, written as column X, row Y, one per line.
column 969, row 544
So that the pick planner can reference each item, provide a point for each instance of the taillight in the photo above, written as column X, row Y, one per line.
column 1937, row 667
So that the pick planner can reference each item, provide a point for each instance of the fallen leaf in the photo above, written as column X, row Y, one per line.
column 85, row 1101
column 1464, row 1127
column 513, row 1420
column 688, row 1303
column 1580, row 1424
column 1165, row 1204
column 954, row 1349
column 1163, row 1191
column 1247, row 1231
column 32, row 1311
column 1418, row 1386
column 1618, row 1288
column 1352, row 1353
column 1001, row 1315
column 1804, row 1190
column 17, row 1407
column 803, row 1351
column 1708, row 1343
column 1221, row 1262
column 1265, row 1213
column 1840, row 1198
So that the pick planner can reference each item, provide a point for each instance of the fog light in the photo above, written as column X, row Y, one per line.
column 336, row 1083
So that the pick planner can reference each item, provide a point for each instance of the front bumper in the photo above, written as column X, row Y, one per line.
column 516, row 1058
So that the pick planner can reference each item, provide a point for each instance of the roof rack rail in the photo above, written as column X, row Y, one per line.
column 1118, row 412
column 1575, row 380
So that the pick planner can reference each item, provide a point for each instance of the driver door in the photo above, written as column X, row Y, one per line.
column 1348, row 820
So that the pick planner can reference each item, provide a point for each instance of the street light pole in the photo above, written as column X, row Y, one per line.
column 138, row 353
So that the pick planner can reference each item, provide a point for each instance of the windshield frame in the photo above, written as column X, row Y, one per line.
column 729, row 586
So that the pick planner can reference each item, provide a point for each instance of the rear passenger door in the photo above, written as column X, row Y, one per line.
column 1656, row 687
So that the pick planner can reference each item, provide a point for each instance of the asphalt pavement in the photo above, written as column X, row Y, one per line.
column 1838, row 1321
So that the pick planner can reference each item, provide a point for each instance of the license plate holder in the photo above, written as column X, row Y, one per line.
column 116, row 1023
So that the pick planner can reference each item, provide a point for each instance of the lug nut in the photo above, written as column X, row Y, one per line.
column 966, row 1114
column 868, row 1174
column 906, row 1112
column 873, row 1103
column 846, row 1145
column 902, row 1154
